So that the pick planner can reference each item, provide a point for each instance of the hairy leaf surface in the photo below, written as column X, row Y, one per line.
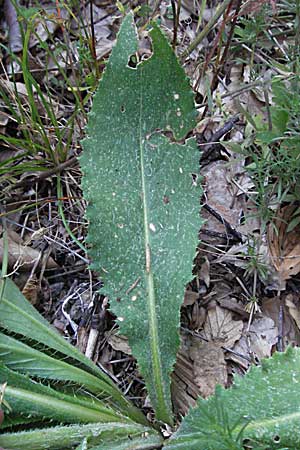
column 29, row 398
column 262, row 406
column 17, row 315
column 143, row 203
column 102, row 435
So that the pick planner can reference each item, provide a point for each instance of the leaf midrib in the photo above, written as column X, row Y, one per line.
column 162, row 410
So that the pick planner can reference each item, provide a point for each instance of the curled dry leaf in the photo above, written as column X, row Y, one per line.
column 119, row 343
column 284, row 246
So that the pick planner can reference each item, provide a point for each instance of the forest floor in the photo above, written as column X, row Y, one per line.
column 243, row 302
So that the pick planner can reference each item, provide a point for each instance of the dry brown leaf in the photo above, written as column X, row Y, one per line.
column 258, row 342
column 204, row 272
column 190, row 297
column 209, row 366
column 22, row 256
column 220, row 327
column 293, row 309
column 274, row 309
column 119, row 343
column 284, row 246
column 30, row 290
column 220, row 195
column 183, row 387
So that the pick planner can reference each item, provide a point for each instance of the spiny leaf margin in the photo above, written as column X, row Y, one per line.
column 261, row 407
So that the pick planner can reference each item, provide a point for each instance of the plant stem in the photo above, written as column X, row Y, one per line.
column 208, row 27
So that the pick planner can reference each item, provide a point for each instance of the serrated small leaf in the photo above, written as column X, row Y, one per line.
column 262, row 407
column 143, row 204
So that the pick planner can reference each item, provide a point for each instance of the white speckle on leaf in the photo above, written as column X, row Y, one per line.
column 133, row 298
column 120, row 319
column 152, row 227
column 180, row 170
column 176, row 96
column 113, row 194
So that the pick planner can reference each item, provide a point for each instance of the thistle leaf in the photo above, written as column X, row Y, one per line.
column 29, row 398
column 67, row 437
column 261, row 407
column 143, row 203
column 17, row 315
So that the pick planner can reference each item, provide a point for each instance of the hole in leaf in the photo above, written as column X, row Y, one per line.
column 122, row 109
column 276, row 439
column 132, row 61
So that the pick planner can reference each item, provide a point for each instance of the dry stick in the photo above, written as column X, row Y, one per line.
column 207, row 147
column 208, row 27
column 176, row 14
column 212, row 51
column 93, row 40
column 229, row 228
column 59, row 168
column 214, row 82
column 15, row 36
column 198, row 335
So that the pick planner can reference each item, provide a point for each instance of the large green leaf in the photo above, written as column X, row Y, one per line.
column 22, row 358
column 143, row 203
column 262, row 407
column 94, row 434
column 29, row 398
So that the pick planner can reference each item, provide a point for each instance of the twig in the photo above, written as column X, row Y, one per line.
column 176, row 15
column 214, row 82
column 214, row 140
column 229, row 228
column 280, row 324
column 15, row 36
column 208, row 27
column 59, row 168
column 198, row 335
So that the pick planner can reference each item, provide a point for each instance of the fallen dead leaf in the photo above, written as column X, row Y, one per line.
column 21, row 256
column 209, row 366
column 30, row 290
column 284, row 246
column 293, row 308
column 221, row 328
column 275, row 309
column 190, row 297
column 257, row 343
column 119, row 343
